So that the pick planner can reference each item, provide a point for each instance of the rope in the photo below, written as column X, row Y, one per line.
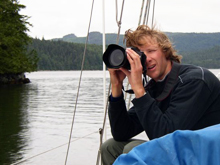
column 142, row 6
column 101, row 130
column 127, row 86
column 79, row 83
column 145, row 13
column 52, row 149
column 120, row 21
column 153, row 15
column 148, row 11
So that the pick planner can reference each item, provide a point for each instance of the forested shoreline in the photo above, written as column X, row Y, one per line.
column 14, row 57
column 19, row 53
column 59, row 54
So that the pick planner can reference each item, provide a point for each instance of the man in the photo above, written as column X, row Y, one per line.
column 178, row 97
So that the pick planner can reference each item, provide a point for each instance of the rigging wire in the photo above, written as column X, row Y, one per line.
column 153, row 15
column 145, row 13
column 82, row 65
column 140, row 17
column 101, row 130
column 120, row 21
column 148, row 11
column 142, row 6
column 52, row 149
column 139, row 22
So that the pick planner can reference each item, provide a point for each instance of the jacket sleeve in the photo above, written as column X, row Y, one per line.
column 189, row 101
column 124, row 124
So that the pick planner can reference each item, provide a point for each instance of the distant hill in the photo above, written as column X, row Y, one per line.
column 60, row 55
column 66, row 53
column 183, row 42
column 94, row 38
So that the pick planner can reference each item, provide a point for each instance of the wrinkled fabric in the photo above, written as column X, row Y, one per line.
column 201, row 147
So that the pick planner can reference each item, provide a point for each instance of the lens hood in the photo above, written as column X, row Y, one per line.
column 115, row 57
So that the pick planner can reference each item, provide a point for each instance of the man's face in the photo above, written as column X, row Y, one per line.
column 157, row 64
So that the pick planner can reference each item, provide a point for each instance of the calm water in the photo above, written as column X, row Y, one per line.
column 35, row 119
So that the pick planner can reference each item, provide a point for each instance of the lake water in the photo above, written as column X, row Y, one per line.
column 36, row 118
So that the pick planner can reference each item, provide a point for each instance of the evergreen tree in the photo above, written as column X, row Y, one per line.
column 14, row 57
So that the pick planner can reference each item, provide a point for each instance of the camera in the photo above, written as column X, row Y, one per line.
column 115, row 57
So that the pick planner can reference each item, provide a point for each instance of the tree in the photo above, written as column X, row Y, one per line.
column 14, row 57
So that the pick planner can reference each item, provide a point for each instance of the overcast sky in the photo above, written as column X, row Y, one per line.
column 56, row 18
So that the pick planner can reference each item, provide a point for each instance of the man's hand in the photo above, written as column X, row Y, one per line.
column 116, row 77
column 135, row 74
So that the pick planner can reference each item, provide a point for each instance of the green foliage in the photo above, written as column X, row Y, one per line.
column 189, row 42
column 14, row 57
column 201, row 49
column 60, row 55
column 209, row 58
column 184, row 42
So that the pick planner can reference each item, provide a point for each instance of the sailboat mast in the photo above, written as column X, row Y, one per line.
column 104, row 67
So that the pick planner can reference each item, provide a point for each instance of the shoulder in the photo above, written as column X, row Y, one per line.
column 192, row 72
column 189, row 73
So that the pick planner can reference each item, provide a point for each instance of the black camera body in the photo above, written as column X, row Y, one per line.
column 115, row 57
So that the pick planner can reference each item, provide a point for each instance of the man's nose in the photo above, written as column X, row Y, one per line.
column 148, row 59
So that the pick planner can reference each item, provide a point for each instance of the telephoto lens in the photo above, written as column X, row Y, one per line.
column 115, row 57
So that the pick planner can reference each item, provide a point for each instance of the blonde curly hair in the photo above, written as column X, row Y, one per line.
column 145, row 35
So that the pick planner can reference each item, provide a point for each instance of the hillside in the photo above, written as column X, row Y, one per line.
column 59, row 55
column 66, row 53
column 184, row 42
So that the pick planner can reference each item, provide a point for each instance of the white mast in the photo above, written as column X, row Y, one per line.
column 104, row 67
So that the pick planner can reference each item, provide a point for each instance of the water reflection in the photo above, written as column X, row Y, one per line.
column 35, row 119
column 46, row 107
column 13, row 123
